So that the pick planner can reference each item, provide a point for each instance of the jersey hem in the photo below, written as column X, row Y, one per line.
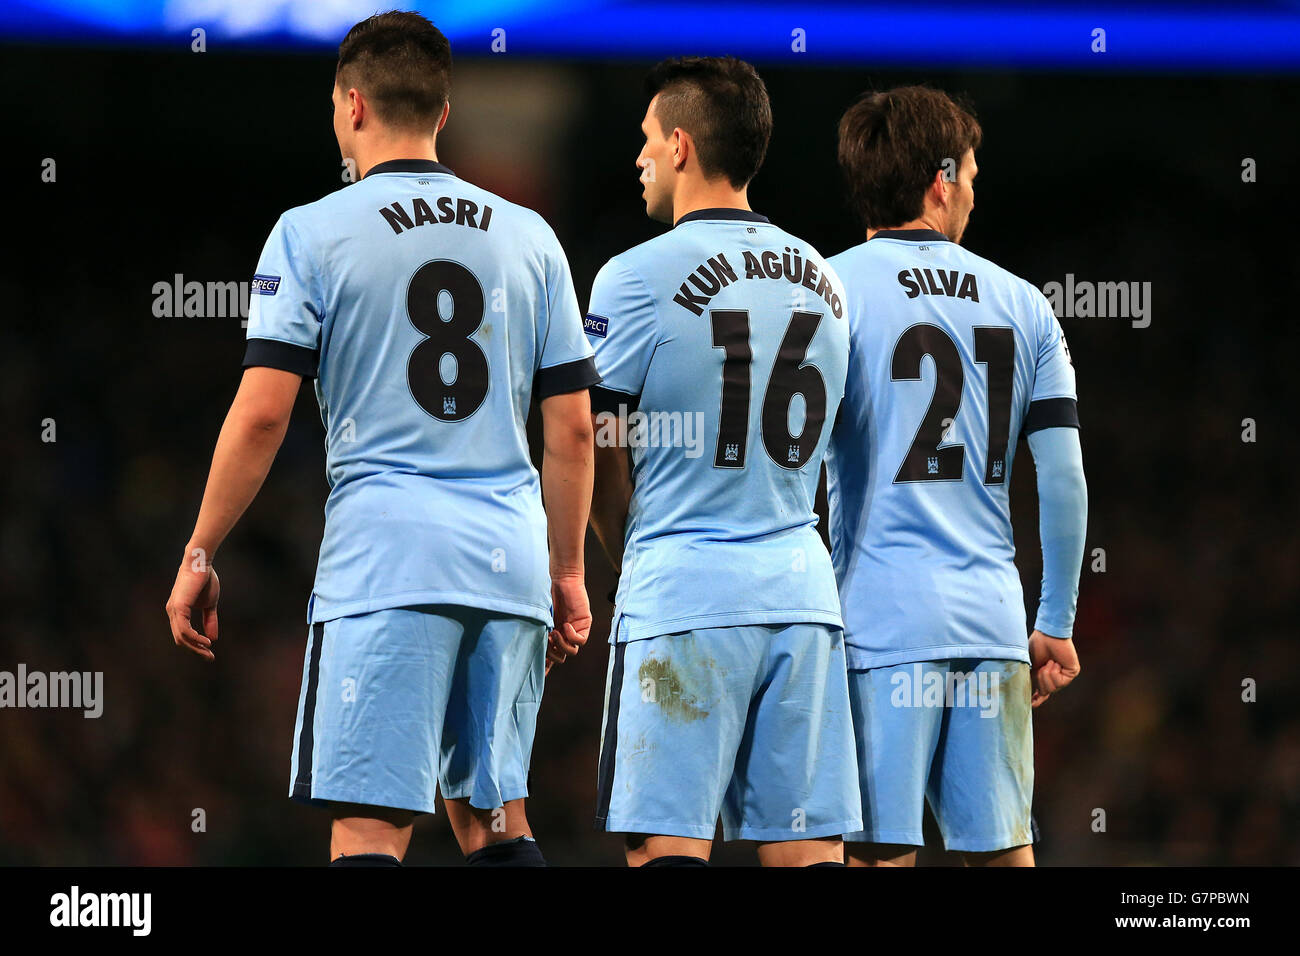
column 631, row 631
column 860, row 660
column 319, row 611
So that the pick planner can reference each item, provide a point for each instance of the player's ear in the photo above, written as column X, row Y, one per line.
column 357, row 106
column 442, row 120
column 939, row 187
column 681, row 148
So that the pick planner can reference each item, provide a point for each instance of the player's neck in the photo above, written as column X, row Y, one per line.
column 405, row 147
column 931, row 219
column 719, row 194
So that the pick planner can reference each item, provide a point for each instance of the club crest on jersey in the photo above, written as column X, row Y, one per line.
column 997, row 468
column 932, row 465
column 792, row 453
column 448, row 405
column 731, row 452
column 265, row 285
column 596, row 325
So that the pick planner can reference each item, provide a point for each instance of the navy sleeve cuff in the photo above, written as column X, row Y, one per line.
column 1050, row 413
column 562, row 379
column 612, row 400
column 270, row 353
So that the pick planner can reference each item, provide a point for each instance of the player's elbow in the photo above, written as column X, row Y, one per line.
column 265, row 401
column 566, row 423
column 1064, row 485
column 260, row 421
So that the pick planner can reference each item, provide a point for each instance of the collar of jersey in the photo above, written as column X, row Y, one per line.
column 409, row 166
column 912, row 235
column 744, row 215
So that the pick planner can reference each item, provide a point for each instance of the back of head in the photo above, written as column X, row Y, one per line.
column 892, row 144
column 722, row 103
column 401, row 63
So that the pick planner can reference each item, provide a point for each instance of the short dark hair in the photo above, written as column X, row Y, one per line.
column 893, row 143
column 402, row 63
column 722, row 102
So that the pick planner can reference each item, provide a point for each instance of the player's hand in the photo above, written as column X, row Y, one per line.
column 194, row 590
column 572, row 619
column 1053, row 663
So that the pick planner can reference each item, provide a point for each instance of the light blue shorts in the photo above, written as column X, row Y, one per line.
column 397, row 702
column 751, row 723
column 957, row 733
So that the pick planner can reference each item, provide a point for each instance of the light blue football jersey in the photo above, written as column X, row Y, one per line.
column 953, row 359
column 726, row 343
column 430, row 312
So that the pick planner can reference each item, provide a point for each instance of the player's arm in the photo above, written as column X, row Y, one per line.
column 613, row 489
column 566, row 371
column 567, row 468
column 1051, row 425
column 624, row 328
column 1062, row 523
column 249, row 440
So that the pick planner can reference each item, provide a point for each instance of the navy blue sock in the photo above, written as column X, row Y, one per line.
column 521, row 851
column 676, row 861
column 366, row 859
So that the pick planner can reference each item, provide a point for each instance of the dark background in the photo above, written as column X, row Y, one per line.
column 176, row 163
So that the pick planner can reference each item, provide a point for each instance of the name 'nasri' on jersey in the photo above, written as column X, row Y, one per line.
column 724, row 340
column 953, row 360
column 430, row 313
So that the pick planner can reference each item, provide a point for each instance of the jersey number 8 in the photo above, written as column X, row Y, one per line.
column 460, row 398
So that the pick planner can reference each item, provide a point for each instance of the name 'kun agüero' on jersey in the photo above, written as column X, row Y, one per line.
column 711, row 277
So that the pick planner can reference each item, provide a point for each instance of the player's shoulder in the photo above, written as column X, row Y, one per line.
column 525, row 222
column 633, row 271
column 849, row 257
column 301, row 218
column 1024, row 301
column 996, row 273
column 800, row 248
column 648, row 256
column 796, row 243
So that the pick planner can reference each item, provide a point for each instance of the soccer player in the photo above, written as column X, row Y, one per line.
column 722, row 345
column 953, row 360
column 430, row 313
